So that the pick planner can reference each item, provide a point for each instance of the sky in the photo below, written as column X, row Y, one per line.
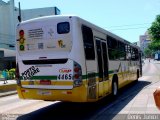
column 126, row 18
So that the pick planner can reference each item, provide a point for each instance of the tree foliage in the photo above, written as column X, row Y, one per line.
column 154, row 30
column 154, row 46
column 147, row 52
column 154, row 33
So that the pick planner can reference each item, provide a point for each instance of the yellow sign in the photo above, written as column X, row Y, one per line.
column 61, row 44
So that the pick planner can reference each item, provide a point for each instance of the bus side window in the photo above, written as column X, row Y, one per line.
column 135, row 54
column 88, row 43
column 128, row 52
column 112, row 48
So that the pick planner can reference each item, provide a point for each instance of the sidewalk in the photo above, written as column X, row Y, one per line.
column 7, row 89
column 139, row 105
column 152, row 60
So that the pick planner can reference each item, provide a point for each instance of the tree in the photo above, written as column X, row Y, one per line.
column 154, row 46
column 154, row 30
column 147, row 52
column 154, row 33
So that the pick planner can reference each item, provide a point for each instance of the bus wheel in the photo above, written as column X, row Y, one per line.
column 115, row 88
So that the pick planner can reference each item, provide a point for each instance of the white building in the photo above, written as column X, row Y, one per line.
column 39, row 12
column 7, row 25
column 8, row 21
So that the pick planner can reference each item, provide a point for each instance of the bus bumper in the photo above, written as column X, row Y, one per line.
column 78, row 94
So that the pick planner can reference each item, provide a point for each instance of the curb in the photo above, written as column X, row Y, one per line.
column 8, row 87
column 8, row 93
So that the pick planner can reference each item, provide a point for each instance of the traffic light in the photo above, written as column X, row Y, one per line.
column 21, row 40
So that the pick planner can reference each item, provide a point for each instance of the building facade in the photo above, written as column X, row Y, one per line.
column 144, row 41
column 8, row 21
column 39, row 12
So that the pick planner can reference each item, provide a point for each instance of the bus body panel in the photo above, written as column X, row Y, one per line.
column 75, row 95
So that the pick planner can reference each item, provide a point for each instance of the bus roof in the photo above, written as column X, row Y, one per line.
column 52, row 17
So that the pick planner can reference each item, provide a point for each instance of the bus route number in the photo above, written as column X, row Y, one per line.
column 64, row 76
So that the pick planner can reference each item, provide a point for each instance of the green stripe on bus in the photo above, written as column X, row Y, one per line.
column 91, row 75
column 111, row 72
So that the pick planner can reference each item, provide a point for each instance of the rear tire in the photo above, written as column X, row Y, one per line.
column 115, row 87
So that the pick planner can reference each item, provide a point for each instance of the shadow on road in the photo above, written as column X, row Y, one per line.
column 85, row 111
column 125, row 96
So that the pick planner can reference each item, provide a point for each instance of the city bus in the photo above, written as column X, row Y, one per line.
column 67, row 58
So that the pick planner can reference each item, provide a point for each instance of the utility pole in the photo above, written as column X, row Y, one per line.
column 19, row 17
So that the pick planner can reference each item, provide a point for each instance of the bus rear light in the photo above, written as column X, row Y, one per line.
column 69, row 92
column 76, row 69
column 24, row 91
column 77, row 79
column 76, row 76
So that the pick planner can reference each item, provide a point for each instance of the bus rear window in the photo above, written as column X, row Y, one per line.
column 63, row 27
column 48, row 61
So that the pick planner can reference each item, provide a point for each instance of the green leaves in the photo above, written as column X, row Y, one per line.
column 154, row 45
column 154, row 33
column 147, row 52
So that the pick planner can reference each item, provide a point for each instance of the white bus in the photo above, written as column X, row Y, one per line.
column 66, row 58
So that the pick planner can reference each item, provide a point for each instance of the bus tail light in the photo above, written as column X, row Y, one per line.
column 18, row 75
column 77, row 77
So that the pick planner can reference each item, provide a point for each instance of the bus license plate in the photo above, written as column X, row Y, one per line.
column 44, row 92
